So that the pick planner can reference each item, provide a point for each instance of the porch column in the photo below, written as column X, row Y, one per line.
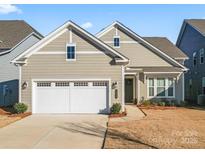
column 137, row 87
column 123, row 88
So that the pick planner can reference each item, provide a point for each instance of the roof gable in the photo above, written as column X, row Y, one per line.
column 59, row 31
column 140, row 40
column 197, row 24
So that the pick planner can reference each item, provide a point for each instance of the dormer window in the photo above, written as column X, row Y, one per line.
column 117, row 41
column 71, row 52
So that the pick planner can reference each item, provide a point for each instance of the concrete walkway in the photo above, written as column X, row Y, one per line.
column 133, row 113
column 55, row 131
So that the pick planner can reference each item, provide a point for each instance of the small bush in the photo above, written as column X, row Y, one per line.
column 146, row 103
column 161, row 103
column 174, row 102
column 168, row 103
column 183, row 103
column 115, row 108
column 20, row 107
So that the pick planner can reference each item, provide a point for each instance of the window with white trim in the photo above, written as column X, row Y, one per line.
column 116, row 41
column 151, row 86
column 71, row 53
column 201, row 55
column 161, row 87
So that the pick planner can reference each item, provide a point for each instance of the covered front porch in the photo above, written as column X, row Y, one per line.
column 150, row 83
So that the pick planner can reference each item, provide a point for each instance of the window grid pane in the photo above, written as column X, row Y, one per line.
column 70, row 52
column 161, row 87
column 116, row 42
column 151, row 87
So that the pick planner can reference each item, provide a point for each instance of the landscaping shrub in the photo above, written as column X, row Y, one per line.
column 161, row 103
column 146, row 103
column 183, row 103
column 115, row 108
column 168, row 103
column 20, row 107
column 174, row 102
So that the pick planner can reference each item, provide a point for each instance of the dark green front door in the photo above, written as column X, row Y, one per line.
column 128, row 90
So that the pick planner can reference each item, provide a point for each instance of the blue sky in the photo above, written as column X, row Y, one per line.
column 145, row 20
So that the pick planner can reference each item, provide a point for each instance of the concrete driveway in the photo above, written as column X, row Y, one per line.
column 55, row 131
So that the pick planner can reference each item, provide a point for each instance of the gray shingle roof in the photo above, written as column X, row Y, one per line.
column 12, row 32
column 198, row 24
column 166, row 46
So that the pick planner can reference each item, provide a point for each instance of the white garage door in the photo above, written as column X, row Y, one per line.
column 71, row 97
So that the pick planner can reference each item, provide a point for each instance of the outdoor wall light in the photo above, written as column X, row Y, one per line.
column 25, row 85
column 114, row 85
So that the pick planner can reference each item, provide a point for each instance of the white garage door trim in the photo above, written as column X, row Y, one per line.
column 34, row 82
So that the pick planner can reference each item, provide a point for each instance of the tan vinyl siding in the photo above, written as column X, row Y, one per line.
column 109, row 35
column 138, row 54
column 59, row 44
column 124, row 37
column 56, row 67
column 83, row 44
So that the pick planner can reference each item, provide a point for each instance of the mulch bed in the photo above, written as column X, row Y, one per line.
column 157, row 107
column 123, row 114
column 118, row 115
column 21, row 115
column 10, row 112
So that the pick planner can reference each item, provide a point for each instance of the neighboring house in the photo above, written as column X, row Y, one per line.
column 191, row 41
column 73, row 71
column 15, row 37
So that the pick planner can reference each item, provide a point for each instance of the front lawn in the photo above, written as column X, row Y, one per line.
column 174, row 128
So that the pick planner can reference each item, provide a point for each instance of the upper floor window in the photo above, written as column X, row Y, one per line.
column 71, row 53
column 201, row 55
column 116, row 41
column 194, row 59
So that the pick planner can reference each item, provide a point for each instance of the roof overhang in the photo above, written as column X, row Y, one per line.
column 57, row 32
column 143, row 41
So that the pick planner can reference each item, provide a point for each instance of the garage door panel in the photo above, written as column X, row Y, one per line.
column 52, row 100
column 88, row 100
column 71, row 97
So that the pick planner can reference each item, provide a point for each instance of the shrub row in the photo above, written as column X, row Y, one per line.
column 163, row 103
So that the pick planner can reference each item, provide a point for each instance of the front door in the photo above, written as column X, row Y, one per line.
column 128, row 90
